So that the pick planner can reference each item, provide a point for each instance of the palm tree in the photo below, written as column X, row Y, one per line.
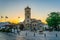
column 18, row 17
column 17, row 25
column 1, row 18
column 6, row 18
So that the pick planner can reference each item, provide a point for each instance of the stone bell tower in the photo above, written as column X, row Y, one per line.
column 27, row 16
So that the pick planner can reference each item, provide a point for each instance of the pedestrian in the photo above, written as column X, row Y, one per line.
column 18, row 32
column 26, row 33
column 34, row 34
column 44, row 35
column 56, row 34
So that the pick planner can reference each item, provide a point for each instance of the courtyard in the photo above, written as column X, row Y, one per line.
column 28, row 35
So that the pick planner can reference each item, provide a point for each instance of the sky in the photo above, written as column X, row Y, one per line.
column 39, row 9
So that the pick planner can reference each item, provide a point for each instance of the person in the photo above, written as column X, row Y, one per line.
column 56, row 34
column 18, row 32
column 44, row 35
column 26, row 33
column 34, row 34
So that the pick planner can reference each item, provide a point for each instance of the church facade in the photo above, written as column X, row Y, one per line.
column 30, row 23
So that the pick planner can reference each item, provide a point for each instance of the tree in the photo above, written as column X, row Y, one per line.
column 6, row 18
column 2, row 18
column 21, row 27
column 18, row 17
column 53, row 20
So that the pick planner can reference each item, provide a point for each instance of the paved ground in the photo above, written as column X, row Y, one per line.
column 27, row 35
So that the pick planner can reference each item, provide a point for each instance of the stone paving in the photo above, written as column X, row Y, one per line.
column 28, row 35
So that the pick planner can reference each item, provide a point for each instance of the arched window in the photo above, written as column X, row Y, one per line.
column 27, row 16
column 27, row 20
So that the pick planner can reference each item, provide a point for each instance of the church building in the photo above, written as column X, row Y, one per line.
column 30, row 23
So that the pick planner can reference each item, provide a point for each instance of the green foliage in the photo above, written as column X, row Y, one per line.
column 3, row 30
column 53, row 19
column 21, row 27
column 7, row 30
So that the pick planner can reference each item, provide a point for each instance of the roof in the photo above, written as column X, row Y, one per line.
column 27, row 7
column 34, row 20
column 4, row 23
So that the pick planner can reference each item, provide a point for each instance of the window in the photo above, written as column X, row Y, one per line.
column 27, row 20
column 27, row 11
column 27, row 16
column 35, row 24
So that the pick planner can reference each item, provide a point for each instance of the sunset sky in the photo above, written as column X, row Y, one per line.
column 39, row 9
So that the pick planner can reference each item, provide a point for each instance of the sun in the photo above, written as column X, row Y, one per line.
column 21, row 20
